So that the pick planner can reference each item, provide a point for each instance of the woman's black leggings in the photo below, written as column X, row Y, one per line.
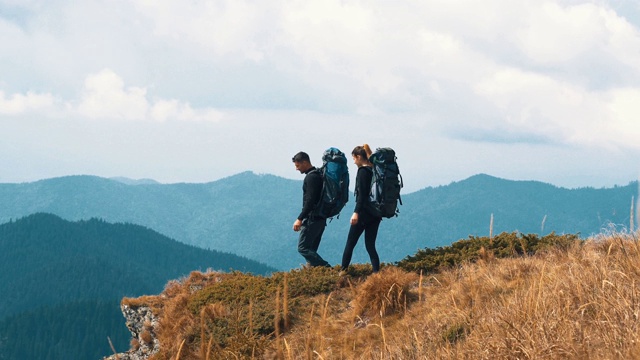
column 370, row 228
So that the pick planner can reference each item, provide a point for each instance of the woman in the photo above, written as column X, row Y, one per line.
column 362, row 219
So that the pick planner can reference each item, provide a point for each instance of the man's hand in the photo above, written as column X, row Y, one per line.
column 297, row 224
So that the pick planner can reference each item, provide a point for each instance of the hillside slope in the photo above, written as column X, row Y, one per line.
column 570, row 300
column 45, row 260
column 251, row 215
column 74, row 330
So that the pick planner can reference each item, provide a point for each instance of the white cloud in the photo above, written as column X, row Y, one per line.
column 556, row 34
column 221, row 27
column 173, row 109
column 23, row 103
column 624, row 40
column 105, row 97
column 540, row 105
column 623, row 125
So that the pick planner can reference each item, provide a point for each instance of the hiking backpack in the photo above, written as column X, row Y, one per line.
column 386, row 183
column 335, row 183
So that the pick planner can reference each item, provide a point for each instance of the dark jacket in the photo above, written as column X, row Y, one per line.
column 311, row 191
column 362, row 190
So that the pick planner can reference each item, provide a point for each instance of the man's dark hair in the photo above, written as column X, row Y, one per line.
column 300, row 157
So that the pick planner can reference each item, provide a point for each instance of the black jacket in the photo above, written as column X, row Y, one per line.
column 363, row 187
column 311, row 191
column 364, row 178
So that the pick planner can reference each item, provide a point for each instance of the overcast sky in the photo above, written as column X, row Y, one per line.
column 194, row 91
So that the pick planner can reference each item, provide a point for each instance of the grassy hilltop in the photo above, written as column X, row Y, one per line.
column 512, row 296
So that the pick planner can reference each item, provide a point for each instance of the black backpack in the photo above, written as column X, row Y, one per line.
column 335, row 183
column 386, row 183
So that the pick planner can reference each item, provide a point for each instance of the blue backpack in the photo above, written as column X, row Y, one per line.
column 335, row 183
column 386, row 183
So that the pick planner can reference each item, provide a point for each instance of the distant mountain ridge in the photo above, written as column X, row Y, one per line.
column 252, row 215
column 129, row 181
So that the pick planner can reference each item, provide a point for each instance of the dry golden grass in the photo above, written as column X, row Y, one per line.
column 384, row 293
column 154, row 302
column 574, row 302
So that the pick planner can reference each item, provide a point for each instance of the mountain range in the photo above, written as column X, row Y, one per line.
column 251, row 215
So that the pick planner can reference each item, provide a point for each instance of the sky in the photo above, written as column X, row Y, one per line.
column 196, row 91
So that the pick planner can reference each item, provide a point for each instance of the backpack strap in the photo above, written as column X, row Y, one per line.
column 316, row 207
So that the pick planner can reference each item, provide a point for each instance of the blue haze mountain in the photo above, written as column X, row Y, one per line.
column 251, row 215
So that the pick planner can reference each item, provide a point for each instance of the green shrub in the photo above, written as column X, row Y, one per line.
column 501, row 246
column 239, row 289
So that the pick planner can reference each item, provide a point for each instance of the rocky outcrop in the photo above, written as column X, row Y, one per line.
column 142, row 323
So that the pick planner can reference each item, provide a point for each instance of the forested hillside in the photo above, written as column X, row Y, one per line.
column 61, row 282
column 251, row 215
column 46, row 260
column 76, row 330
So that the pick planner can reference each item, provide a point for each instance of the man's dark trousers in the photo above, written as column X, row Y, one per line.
column 309, row 241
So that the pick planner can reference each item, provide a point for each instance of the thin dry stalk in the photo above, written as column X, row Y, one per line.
column 276, row 317
column 420, row 287
column 418, row 343
column 307, row 344
column 323, row 321
column 180, row 349
column 631, row 225
column 113, row 348
column 523, row 244
column 288, row 348
column 285, row 303
column 251, row 318
column 202, row 332
column 209, row 348
column 326, row 308
column 384, row 337
column 491, row 230
column 277, row 324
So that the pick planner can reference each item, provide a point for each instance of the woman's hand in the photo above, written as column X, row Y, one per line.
column 354, row 219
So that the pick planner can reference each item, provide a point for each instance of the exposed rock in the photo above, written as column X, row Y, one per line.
column 142, row 323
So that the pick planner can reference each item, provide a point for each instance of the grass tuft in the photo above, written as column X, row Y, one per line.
column 384, row 293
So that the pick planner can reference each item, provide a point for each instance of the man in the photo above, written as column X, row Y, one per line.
column 310, row 225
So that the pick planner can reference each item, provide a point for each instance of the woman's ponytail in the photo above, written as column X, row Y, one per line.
column 367, row 149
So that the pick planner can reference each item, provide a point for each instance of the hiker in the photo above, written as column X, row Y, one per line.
column 363, row 218
column 310, row 225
